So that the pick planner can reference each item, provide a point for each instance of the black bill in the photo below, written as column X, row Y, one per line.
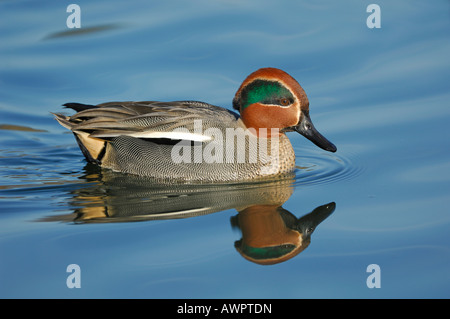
column 307, row 129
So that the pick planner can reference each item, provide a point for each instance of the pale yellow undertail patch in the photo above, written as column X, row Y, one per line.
column 93, row 145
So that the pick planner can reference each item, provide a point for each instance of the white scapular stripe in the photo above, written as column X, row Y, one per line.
column 172, row 135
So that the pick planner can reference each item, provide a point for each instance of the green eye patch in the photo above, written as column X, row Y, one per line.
column 266, row 92
column 267, row 252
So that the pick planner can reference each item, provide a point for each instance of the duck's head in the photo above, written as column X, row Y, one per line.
column 271, row 98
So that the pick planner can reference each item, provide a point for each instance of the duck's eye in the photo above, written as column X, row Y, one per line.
column 284, row 102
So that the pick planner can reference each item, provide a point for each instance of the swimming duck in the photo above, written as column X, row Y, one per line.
column 197, row 141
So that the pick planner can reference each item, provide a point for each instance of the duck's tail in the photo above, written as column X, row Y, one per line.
column 93, row 148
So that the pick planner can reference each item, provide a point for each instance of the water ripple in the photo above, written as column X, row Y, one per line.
column 314, row 168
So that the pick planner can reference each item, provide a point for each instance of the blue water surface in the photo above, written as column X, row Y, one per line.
column 380, row 94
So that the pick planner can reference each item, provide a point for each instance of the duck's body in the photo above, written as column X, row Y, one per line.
column 196, row 141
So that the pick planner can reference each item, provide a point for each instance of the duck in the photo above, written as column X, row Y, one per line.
column 193, row 141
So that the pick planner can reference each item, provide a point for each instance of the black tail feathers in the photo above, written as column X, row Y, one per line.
column 78, row 107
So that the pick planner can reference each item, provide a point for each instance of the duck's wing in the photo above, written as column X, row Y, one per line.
column 180, row 120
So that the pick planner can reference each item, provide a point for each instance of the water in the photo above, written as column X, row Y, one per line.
column 381, row 95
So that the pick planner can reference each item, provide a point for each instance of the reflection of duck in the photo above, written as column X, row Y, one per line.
column 116, row 197
column 196, row 141
column 271, row 234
